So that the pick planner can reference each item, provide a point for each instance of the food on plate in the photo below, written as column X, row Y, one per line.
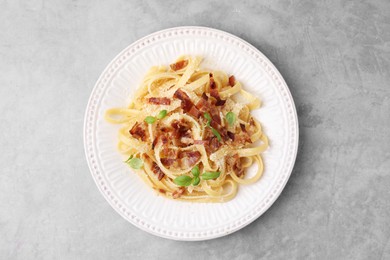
column 189, row 132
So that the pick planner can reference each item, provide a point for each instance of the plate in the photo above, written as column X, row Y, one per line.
column 127, row 193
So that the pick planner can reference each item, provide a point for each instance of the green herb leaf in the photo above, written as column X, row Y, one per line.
column 131, row 156
column 215, row 132
column 230, row 118
column 135, row 163
column 162, row 114
column 196, row 181
column 150, row 119
column 183, row 180
column 195, row 171
column 210, row 175
column 208, row 117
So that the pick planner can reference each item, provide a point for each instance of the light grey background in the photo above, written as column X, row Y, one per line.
column 335, row 58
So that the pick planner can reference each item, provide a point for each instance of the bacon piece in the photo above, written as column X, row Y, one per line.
column 214, row 92
column 162, row 191
column 213, row 89
column 223, row 133
column 169, row 153
column 216, row 121
column 155, row 141
column 181, row 129
column 186, row 102
column 243, row 127
column 157, row 171
column 241, row 139
column 214, row 144
column 163, row 138
column 220, row 102
column 167, row 161
column 164, row 129
column 203, row 105
column 230, row 135
column 217, row 118
column 138, row 131
column 189, row 158
column 204, row 96
column 179, row 65
column 177, row 193
column 201, row 142
column 159, row 101
column 194, row 112
column 232, row 80
column 235, row 163
column 212, row 82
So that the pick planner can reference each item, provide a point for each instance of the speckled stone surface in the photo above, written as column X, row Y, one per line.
column 335, row 57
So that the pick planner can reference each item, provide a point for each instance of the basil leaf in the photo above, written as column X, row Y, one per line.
column 210, row 175
column 230, row 118
column 208, row 117
column 150, row 119
column 196, row 181
column 162, row 114
column 215, row 132
column 135, row 163
column 183, row 180
column 195, row 171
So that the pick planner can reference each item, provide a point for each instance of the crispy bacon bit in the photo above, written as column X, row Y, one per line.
column 231, row 135
column 213, row 89
column 235, row 163
column 216, row 118
column 214, row 93
column 214, row 144
column 220, row 102
column 179, row 65
column 169, row 153
column 181, row 129
column 162, row 191
column 164, row 129
column 163, row 138
column 157, row 171
column 167, row 161
column 232, row 80
column 155, row 141
column 224, row 134
column 204, row 96
column 216, row 121
column 159, row 101
column 194, row 112
column 138, row 131
column 186, row 102
column 243, row 127
column 201, row 142
column 189, row 158
column 212, row 82
column 177, row 193
column 203, row 105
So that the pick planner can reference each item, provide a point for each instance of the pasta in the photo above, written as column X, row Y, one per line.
column 189, row 134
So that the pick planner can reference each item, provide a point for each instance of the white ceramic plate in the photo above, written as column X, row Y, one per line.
column 127, row 193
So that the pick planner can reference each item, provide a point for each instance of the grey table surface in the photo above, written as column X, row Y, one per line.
column 335, row 57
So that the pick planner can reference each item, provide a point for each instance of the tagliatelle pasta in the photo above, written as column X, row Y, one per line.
column 189, row 135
